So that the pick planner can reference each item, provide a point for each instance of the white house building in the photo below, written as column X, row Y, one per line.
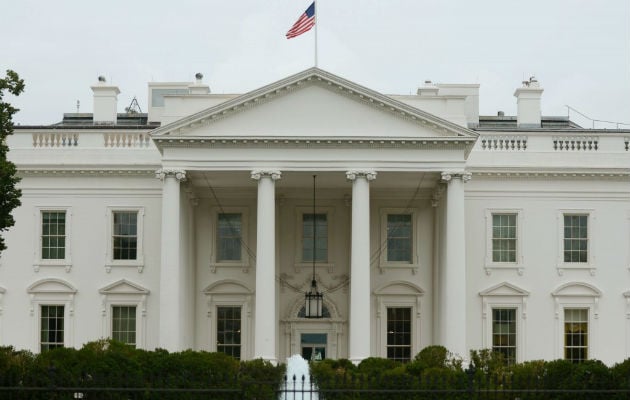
column 199, row 225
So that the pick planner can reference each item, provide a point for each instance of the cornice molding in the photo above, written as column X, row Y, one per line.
column 572, row 174
column 44, row 171
column 438, row 143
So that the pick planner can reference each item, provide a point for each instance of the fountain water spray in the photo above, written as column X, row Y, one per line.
column 298, row 384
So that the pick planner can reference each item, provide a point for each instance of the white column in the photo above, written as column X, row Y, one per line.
column 360, row 302
column 171, row 271
column 453, row 293
column 266, row 322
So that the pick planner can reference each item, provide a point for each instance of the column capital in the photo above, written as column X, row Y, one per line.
column 368, row 174
column 448, row 176
column 274, row 174
column 177, row 173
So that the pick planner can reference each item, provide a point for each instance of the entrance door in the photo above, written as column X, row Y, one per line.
column 313, row 346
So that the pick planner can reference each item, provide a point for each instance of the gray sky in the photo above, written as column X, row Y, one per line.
column 578, row 49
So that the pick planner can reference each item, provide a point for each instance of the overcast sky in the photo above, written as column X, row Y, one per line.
column 578, row 49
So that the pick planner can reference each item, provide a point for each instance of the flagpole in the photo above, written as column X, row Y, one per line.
column 316, row 23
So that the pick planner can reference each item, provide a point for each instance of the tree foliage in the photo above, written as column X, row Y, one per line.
column 9, row 193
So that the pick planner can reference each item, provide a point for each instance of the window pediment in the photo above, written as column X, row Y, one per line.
column 576, row 289
column 227, row 286
column 504, row 289
column 399, row 288
column 123, row 286
column 51, row 285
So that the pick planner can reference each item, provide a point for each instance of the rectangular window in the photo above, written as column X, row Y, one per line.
column 125, row 235
column 504, row 238
column 229, row 234
column 124, row 324
column 575, row 238
column 399, row 333
column 229, row 331
column 399, row 237
column 576, row 334
column 51, row 327
column 315, row 232
column 53, row 235
column 504, row 333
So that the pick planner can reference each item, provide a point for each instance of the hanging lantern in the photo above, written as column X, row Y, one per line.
column 314, row 299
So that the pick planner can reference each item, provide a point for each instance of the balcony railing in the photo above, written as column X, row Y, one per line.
column 544, row 143
column 55, row 139
column 80, row 140
column 505, row 143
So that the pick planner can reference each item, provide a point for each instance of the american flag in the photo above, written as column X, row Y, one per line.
column 304, row 23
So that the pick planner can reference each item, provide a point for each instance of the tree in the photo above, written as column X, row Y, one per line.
column 9, row 194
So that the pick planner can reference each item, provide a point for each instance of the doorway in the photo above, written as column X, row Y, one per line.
column 313, row 346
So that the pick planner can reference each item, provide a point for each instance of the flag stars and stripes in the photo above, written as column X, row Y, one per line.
column 304, row 23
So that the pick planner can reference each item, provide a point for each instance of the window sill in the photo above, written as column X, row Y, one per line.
column 139, row 264
column 300, row 266
column 66, row 264
column 561, row 267
column 520, row 269
column 398, row 266
column 236, row 264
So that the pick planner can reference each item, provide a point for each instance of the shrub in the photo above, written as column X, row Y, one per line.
column 14, row 365
column 260, row 379
column 433, row 357
column 338, row 375
column 374, row 366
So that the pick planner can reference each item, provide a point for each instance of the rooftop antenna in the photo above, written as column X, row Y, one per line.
column 134, row 107
column 78, row 106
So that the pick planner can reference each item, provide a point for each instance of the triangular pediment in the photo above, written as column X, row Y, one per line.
column 504, row 289
column 123, row 286
column 313, row 104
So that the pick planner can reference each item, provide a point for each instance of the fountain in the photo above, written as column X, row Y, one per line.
column 296, row 387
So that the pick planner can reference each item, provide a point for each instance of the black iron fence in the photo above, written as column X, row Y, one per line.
column 469, row 386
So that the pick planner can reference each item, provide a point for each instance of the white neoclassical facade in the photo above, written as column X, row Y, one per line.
column 194, row 225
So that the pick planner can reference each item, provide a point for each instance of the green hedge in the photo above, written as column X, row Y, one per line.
column 435, row 373
column 110, row 364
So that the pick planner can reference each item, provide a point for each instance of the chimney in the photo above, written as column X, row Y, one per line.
column 429, row 89
column 528, row 104
column 105, row 103
column 198, row 87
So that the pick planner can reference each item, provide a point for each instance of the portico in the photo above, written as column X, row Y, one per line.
column 259, row 175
